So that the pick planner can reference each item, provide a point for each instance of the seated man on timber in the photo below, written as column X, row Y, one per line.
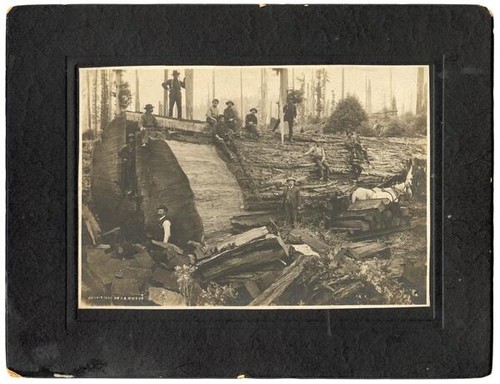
column 213, row 113
column 319, row 158
column 147, row 121
column 356, row 153
column 353, row 143
column 223, row 138
column 251, row 123
column 231, row 118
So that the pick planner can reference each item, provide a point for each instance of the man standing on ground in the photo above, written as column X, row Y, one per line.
column 175, row 96
column 289, row 115
column 163, row 224
column 251, row 123
column 319, row 158
column 291, row 201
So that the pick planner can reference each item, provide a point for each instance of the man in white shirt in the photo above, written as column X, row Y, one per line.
column 213, row 113
column 319, row 158
column 163, row 223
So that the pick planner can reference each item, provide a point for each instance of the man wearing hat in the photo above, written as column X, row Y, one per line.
column 231, row 118
column 213, row 113
column 319, row 158
column 222, row 136
column 175, row 96
column 163, row 234
column 251, row 123
column 147, row 121
column 291, row 201
column 127, row 174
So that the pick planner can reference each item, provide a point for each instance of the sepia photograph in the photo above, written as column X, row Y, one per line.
column 254, row 187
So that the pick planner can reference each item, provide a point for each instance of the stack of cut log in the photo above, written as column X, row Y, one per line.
column 372, row 215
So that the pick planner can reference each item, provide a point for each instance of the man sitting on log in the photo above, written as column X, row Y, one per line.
column 147, row 121
column 223, row 138
column 357, row 153
column 251, row 123
column 213, row 113
column 319, row 158
column 291, row 201
column 231, row 118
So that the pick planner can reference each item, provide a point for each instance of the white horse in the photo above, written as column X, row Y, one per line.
column 392, row 193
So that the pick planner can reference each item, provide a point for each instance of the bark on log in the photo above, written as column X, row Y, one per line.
column 289, row 275
column 257, row 255
column 365, row 251
column 257, row 219
column 316, row 244
column 91, row 224
column 242, row 238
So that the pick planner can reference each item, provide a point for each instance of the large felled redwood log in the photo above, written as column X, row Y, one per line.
column 160, row 180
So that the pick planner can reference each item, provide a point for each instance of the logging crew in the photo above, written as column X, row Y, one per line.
column 319, row 158
column 289, row 115
column 231, row 117
column 251, row 123
column 213, row 112
column 163, row 224
column 174, row 86
column 222, row 136
column 147, row 120
column 291, row 201
column 127, row 174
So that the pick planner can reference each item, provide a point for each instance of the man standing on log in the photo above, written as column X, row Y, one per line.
column 319, row 158
column 231, row 118
column 289, row 115
column 251, row 123
column 147, row 121
column 163, row 234
column 291, row 201
column 175, row 96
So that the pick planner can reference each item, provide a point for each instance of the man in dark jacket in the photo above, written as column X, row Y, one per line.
column 148, row 120
column 289, row 115
column 127, row 174
column 231, row 118
column 291, row 201
column 222, row 137
column 251, row 123
column 175, row 96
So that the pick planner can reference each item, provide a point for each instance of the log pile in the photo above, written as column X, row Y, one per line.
column 372, row 215
column 269, row 163
column 258, row 266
